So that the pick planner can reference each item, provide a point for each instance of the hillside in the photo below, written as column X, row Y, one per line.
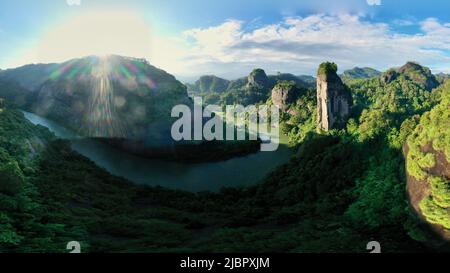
column 209, row 83
column 342, row 189
column 253, row 89
column 31, row 76
column 125, row 102
column 428, row 165
column 113, row 97
column 109, row 214
column 415, row 72
column 360, row 73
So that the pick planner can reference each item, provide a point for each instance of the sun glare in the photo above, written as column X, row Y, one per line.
column 96, row 33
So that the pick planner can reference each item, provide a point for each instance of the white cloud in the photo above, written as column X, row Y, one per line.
column 373, row 2
column 232, row 49
column 299, row 44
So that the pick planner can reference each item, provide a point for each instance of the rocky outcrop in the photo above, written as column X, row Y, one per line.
column 258, row 79
column 284, row 94
column 210, row 83
column 427, row 157
column 412, row 71
column 420, row 74
column 333, row 98
column 389, row 76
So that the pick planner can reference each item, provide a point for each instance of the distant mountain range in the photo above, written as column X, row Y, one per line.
column 114, row 97
column 212, row 83
column 123, row 101
column 360, row 73
column 122, row 97
column 412, row 71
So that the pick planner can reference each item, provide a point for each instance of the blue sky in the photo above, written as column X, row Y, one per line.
column 229, row 38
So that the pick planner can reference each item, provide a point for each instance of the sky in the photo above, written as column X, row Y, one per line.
column 229, row 38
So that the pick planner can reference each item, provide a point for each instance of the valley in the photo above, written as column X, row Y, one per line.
column 193, row 177
column 337, row 181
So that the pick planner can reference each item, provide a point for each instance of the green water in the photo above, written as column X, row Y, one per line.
column 239, row 171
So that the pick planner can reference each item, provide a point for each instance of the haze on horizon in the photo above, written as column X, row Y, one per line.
column 229, row 39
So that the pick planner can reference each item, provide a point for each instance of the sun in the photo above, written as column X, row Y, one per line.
column 96, row 33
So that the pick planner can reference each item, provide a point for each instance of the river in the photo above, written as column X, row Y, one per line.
column 239, row 171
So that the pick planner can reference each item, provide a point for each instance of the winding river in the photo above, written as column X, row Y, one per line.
column 239, row 171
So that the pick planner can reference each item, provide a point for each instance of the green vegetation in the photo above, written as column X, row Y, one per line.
column 360, row 73
column 419, row 74
column 342, row 189
column 208, row 84
column 327, row 68
column 435, row 213
column 430, row 139
column 239, row 92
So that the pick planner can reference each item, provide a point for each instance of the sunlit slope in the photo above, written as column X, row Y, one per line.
column 111, row 97
column 428, row 164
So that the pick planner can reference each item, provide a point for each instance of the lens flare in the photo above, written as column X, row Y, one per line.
column 103, row 120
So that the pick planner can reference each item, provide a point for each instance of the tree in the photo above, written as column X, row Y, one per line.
column 11, row 178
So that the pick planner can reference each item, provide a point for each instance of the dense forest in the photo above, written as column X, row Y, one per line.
column 342, row 189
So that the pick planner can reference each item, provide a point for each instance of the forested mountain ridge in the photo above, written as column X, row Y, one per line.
column 344, row 188
column 427, row 154
column 360, row 73
column 123, row 101
column 209, row 83
column 111, row 96
column 31, row 76
column 255, row 88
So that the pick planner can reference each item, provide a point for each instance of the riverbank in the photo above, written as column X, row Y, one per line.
column 210, row 176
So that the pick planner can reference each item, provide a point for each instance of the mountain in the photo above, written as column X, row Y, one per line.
column 427, row 153
column 415, row 72
column 30, row 76
column 340, row 188
column 125, row 102
column 255, row 88
column 102, row 97
column 110, row 97
column 420, row 74
column 442, row 77
column 14, row 93
column 285, row 94
column 309, row 80
column 360, row 73
column 334, row 98
column 209, row 83
column 257, row 78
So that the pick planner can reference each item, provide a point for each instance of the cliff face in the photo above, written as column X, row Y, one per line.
column 412, row 71
column 284, row 94
column 420, row 74
column 258, row 79
column 427, row 154
column 333, row 98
